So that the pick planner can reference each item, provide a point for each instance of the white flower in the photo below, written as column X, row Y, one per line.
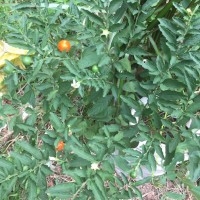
column 133, row 111
column 24, row 115
column 189, row 11
column 196, row 131
column 95, row 166
column 105, row 32
column 53, row 158
column 144, row 100
column 75, row 84
column 144, row 60
column 188, row 124
column 84, row 21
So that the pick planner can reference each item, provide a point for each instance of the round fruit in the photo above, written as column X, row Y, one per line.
column 64, row 45
column 27, row 60
column 95, row 69
column 60, row 146
column 8, row 69
column 133, row 174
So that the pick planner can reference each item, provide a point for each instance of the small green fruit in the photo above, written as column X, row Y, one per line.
column 133, row 174
column 95, row 69
column 8, row 69
column 27, row 60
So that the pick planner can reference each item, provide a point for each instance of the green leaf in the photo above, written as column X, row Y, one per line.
column 137, row 51
column 173, row 195
column 130, row 86
column 115, row 5
column 96, row 192
column 112, row 128
column 9, row 187
column 192, row 40
column 30, row 149
column 64, row 190
column 32, row 190
column 82, row 154
column 99, row 106
column 194, row 107
column 171, row 95
column 99, row 182
column 24, row 159
column 171, row 84
column 56, row 122
column 168, row 35
column 96, row 19
column 152, row 162
column 6, row 164
column 126, row 65
column 122, row 163
column 118, row 137
column 89, row 59
column 120, row 13
column 130, row 102
column 25, row 127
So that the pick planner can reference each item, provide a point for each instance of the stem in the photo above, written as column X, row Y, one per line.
column 77, row 192
column 154, row 46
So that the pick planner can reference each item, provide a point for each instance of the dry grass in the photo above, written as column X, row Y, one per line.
column 152, row 192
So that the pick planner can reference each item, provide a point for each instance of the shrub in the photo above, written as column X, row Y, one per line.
column 145, row 89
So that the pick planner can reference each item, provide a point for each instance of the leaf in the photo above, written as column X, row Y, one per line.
column 56, row 122
column 171, row 95
column 130, row 86
column 6, row 164
column 25, row 127
column 130, row 102
column 152, row 162
column 167, row 24
column 192, row 40
column 168, row 35
column 113, row 128
column 99, row 106
column 118, row 137
column 9, row 187
column 173, row 195
column 96, row 192
column 89, row 59
column 119, row 13
column 30, row 149
column 99, row 182
column 64, row 190
column 82, row 154
column 93, row 17
column 24, row 159
column 194, row 107
column 171, row 84
column 115, row 5
column 23, row 5
column 122, row 163
column 137, row 51
column 126, row 65
column 32, row 190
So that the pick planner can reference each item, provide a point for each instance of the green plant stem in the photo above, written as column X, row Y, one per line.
column 77, row 192
column 143, row 155
column 121, row 83
column 13, row 175
column 154, row 45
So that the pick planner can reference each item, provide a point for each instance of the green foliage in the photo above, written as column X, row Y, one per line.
column 142, row 49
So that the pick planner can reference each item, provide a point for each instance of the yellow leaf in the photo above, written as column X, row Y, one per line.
column 12, row 54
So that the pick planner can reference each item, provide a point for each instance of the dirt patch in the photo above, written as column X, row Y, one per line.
column 151, row 192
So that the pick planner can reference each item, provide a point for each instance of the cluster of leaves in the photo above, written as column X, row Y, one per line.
column 141, row 50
